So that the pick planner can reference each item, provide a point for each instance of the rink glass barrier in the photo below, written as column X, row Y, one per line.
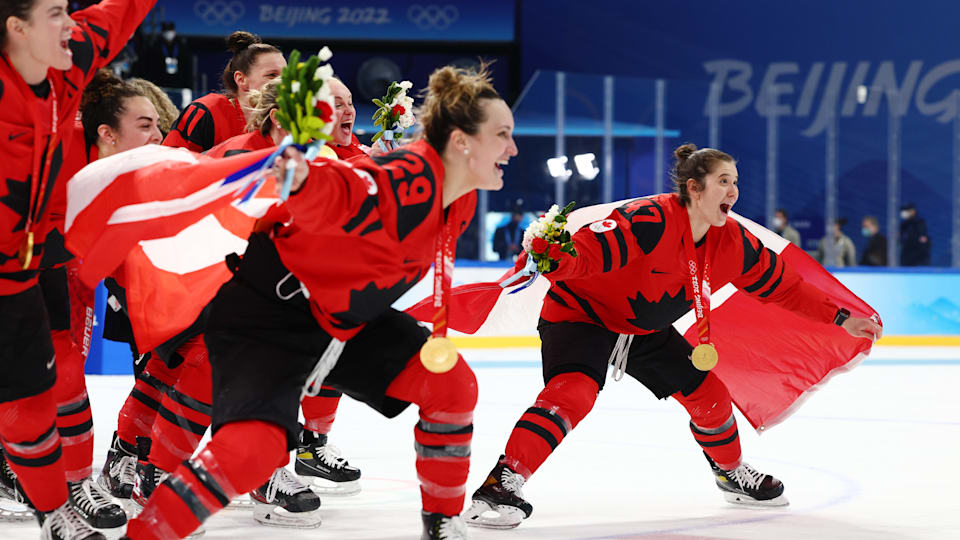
column 919, row 307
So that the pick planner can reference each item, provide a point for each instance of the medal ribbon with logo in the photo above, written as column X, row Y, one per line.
column 439, row 354
column 704, row 356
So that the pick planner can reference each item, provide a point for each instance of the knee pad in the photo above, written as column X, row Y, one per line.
column 710, row 404
column 569, row 395
column 245, row 453
column 70, row 379
column 450, row 394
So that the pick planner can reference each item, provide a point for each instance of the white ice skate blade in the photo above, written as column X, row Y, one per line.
column 482, row 514
column 113, row 534
column 243, row 502
column 744, row 500
column 13, row 512
column 322, row 486
column 272, row 515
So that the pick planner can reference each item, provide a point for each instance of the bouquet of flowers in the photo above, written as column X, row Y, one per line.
column 304, row 100
column 394, row 113
column 545, row 239
column 305, row 107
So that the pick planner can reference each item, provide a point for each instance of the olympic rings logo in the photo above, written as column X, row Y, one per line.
column 219, row 11
column 433, row 16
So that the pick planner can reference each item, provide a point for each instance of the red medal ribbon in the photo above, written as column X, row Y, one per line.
column 443, row 277
column 701, row 296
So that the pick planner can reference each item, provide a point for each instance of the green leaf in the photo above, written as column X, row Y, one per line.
column 566, row 209
column 379, row 103
column 376, row 136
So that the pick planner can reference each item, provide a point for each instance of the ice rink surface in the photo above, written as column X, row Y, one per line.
column 873, row 455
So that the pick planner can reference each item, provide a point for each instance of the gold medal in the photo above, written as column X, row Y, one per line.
column 26, row 251
column 438, row 355
column 704, row 357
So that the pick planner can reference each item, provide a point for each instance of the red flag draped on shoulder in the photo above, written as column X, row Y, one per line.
column 772, row 358
column 146, row 193
column 162, row 220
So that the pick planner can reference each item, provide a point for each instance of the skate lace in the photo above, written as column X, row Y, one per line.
column 87, row 496
column 452, row 528
column 17, row 494
column 331, row 455
column 747, row 476
column 65, row 523
column 125, row 469
column 283, row 482
column 512, row 482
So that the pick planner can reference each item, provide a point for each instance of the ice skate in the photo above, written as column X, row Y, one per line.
column 94, row 505
column 14, row 504
column 441, row 527
column 120, row 470
column 322, row 467
column 65, row 523
column 499, row 503
column 747, row 486
column 284, row 501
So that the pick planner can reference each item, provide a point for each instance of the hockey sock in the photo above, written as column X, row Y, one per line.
column 32, row 445
column 74, row 420
column 443, row 434
column 184, row 413
column 712, row 422
column 140, row 409
column 566, row 400
column 320, row 411
column 240, row 457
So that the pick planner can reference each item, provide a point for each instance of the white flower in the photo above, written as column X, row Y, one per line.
column 325, row 53
column 406, row 85
column 295, row 87
column 323, row 72
column 324, row 91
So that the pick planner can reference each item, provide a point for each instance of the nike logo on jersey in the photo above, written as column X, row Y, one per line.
column 53, row 359
column 13, row 136
column 655, row 271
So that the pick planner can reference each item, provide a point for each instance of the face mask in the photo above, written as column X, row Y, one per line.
column 169, row 35
column 777, row 223
column 866, row 232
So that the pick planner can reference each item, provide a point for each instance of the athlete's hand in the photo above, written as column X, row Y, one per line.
column 862, row 327
column 291, row 157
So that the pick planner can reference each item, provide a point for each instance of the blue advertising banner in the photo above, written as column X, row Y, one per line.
column 396, row 20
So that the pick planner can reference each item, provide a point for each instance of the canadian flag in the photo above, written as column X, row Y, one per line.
column 162, row 220
column 772, row 358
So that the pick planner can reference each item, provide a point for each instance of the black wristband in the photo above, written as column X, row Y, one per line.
column 842, row 315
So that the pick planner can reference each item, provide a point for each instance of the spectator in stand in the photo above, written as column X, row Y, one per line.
column 166, row 60
column 876, row 252
column 781, row 225
column 914, row 242
column 844, row 252
column 507, row 238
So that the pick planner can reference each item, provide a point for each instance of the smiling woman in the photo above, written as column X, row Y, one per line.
column 639, row 270
column 48, row 58
column 319, row 283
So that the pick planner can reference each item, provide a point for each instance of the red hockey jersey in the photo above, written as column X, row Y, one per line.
column 207, row 122
column 631, row 275
column 364, row 232
column 26, row 132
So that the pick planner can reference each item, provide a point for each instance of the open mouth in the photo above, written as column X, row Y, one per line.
column 499, row 166
column 65, row 45
column 346, row 127
column 725, row 208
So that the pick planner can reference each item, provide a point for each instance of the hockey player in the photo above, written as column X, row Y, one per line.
column 215, row 117
column 632, row 278
column 48, row 57
column 321, row 286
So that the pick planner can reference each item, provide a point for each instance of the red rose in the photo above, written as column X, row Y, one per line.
column 325, row 111
column 398, row 110
column 539, row 245
column 554, row 252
